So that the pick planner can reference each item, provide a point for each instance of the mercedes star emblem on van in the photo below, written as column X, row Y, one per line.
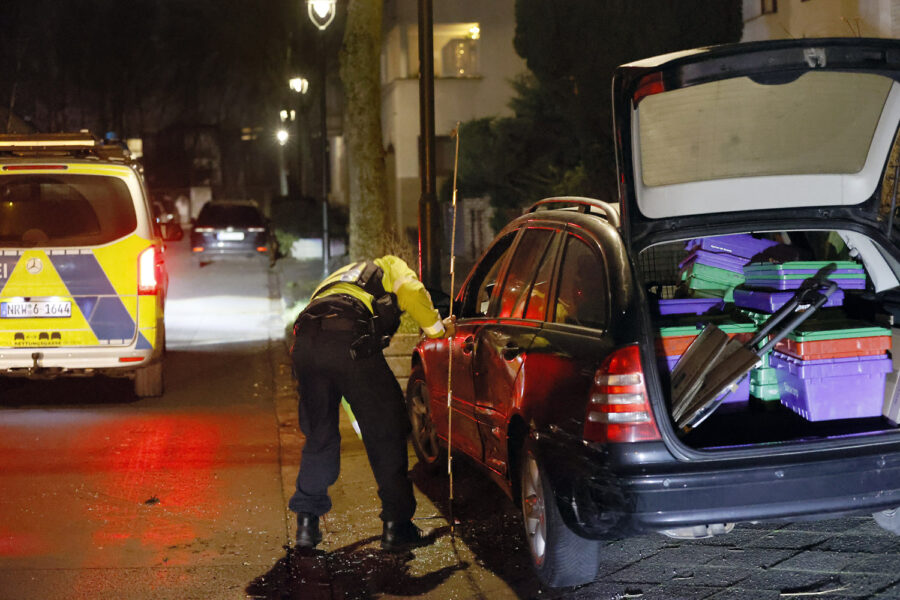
column 34, row 266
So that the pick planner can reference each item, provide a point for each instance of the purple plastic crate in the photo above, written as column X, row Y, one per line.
column 689, row 306
column 741, row 394
column 826, row 389
column 720, row 260
column 742, row 244
column 770, row 302
column 793, row 284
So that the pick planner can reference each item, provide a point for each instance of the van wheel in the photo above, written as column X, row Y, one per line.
column 148, row 381
column 424, row 435
column 888, row 519
column 559, row 556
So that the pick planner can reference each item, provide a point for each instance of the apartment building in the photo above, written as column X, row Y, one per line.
column 782, row 19
column 474, row 61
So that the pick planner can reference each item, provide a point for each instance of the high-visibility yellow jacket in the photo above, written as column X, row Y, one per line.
column 399, row 278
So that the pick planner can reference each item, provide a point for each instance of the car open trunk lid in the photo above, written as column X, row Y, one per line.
column 788, row 128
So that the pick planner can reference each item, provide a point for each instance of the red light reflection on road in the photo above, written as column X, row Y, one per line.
column 147, row 483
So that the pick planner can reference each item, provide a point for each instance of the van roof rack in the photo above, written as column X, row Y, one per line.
column 78, row 145
column 583, row 204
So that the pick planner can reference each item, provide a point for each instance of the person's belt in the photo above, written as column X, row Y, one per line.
column 337, row 323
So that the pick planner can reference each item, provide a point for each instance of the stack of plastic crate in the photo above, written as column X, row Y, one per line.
column 674, row 340
column 833, row 369
column 767, row 287
column 715, row 265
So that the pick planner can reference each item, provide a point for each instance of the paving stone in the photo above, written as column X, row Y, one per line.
column 737, row 593
column 737, row 538
column 679, row 592
column 789, row 539
column 645, row 574
column 860, row 543
column 827, row 525
column 817, row 561
column 881, row 563
column 851, row 585
column 752, row 557
column 685, row 555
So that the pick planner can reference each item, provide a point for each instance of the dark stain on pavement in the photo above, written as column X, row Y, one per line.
column 354, row 572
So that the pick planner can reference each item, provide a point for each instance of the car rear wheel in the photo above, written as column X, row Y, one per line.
column 559, row 556
column 424, row 435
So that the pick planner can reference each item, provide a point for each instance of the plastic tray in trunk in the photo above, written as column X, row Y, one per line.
column 742, row 244
column 835, row 348
column 792, row 282
column 693, row 306
column 771, row 301
column 720, row 260
column 827, row 389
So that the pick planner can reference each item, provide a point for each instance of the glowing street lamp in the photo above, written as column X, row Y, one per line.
column 282, row 136
column 299, row 84
column 321, row 12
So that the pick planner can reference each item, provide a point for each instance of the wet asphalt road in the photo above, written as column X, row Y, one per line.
column 108, row 496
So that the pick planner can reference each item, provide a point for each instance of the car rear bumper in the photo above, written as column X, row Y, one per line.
column 40, row 363
column 598, row 499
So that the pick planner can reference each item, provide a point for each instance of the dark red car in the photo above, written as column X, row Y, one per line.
column 744, row 169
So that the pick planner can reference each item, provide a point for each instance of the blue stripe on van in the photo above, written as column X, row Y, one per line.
column 110, row 320
column 142, row 343
column 86, row 304
column 82, row 274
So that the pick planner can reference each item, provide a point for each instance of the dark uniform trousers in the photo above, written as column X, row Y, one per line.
column 325, row 371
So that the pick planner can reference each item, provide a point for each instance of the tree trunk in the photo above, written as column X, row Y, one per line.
column 361, row 76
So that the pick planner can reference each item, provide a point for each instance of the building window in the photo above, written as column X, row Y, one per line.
column 768, row 6
column 455, row 50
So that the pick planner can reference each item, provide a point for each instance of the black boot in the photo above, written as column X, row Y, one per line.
column 403, row 535
column 308, row 534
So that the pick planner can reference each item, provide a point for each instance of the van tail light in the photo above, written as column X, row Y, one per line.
column 618, row 409
column 147, row 271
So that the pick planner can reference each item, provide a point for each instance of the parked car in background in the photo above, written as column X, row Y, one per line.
column 231, row 229
column 82, row 276
column 744, row 170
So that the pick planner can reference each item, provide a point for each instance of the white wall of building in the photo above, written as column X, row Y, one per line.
column 820, row 18
column 457, row 99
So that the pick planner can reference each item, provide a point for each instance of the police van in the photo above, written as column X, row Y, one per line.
column 82, row 277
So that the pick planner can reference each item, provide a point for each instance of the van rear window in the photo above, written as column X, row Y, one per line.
column 64, row 210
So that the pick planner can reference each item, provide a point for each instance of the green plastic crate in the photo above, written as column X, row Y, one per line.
column 680, row 330
column 836, row 329
column 722, row 277
column 767, row 393
column 839, row 265
column 763, row 376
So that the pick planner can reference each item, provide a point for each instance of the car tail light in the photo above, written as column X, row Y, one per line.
column 261, row 249
column 198, row 248
column 618, row 409
column 204, row 229
column 147, row 270
column 256, row 229
column 649, row 85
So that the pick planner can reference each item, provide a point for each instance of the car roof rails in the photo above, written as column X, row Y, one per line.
column 76, row 145
column 583, row 204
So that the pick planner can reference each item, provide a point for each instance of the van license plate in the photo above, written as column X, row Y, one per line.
column 38, row 308
column 230, row 236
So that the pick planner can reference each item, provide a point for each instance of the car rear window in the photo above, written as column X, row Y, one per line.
column 820, row 122
column 235, row 215
column 64, row 210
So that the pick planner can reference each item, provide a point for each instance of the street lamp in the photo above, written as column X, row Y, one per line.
column 300, row 85
column 321, row 13
column 282, row 136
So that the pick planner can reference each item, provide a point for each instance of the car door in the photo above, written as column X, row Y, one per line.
column 501, row 345
column 477, row 299
column 574, row 338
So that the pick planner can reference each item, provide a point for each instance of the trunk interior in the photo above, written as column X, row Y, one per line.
column 831, row 376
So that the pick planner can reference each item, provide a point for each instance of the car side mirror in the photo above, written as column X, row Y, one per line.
column 441, row 301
